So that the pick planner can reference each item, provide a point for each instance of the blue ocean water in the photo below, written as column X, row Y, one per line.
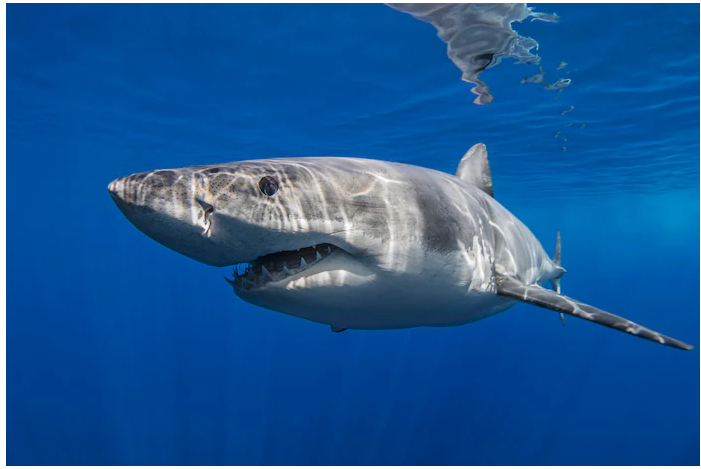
column 120, row 351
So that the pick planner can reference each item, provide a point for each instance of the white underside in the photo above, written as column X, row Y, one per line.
column 345, row 293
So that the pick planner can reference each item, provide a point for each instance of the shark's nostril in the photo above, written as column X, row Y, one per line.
column 207, row 208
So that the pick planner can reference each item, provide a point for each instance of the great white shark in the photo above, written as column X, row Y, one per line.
column 358, row 243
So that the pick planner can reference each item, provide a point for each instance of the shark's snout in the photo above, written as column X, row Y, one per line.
column 161, row 191
column 123, row 198
column 134, row 189
column 132, row 198
column 114, row 188
column 125, row 190
column 171, row 208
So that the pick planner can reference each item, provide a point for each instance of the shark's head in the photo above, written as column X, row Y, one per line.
column 299, row 224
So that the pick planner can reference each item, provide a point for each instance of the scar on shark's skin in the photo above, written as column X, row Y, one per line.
column 357, row 243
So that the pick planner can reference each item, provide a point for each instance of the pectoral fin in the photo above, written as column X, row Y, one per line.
column 539, row 296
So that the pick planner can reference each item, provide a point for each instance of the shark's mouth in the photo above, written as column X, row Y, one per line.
column 278, row 266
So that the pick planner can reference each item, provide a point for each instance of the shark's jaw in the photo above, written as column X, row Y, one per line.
column 281, row 267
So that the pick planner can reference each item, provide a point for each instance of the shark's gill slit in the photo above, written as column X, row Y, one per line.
column 278, row 266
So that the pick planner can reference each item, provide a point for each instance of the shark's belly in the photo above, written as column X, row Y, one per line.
column 370, row 300
column 399, row 308
column 417, row 308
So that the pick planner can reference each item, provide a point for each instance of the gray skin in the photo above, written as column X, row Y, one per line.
column 355, row 243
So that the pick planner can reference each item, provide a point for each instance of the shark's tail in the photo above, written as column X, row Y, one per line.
column 557, row 260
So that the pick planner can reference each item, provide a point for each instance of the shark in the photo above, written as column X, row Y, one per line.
column 357, row 243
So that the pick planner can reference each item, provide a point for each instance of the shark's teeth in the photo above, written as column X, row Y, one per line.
column 278, row 266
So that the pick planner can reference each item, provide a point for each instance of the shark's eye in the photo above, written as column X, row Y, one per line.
column 268, row 185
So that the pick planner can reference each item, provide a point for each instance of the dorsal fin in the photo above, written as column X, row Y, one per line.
column 474, row 168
